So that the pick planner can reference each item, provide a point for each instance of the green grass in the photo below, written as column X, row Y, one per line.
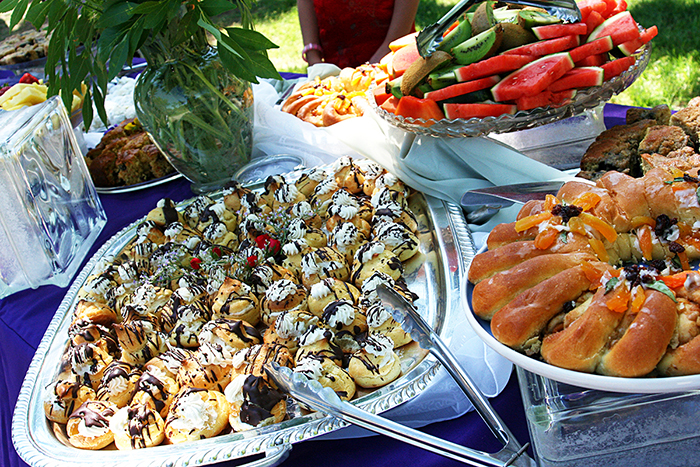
column 672, row 77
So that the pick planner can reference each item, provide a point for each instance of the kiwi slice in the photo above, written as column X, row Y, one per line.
column 483, row 19
column 514, row 35
column 421, row 68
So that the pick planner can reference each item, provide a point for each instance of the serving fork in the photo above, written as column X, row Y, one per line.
column 429, row 38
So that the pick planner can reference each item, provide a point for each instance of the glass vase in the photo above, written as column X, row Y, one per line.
column 198, row 113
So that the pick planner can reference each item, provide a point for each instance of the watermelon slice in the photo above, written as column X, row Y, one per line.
column 616, row 67
column 544, row 99
column 594, row 20
column 630, row 47
column 621, row 28
column 413, row 107
column 462, row 88
column 588, row 6
column 598, row 46
column 467, row 111
column 593, row 60
column 582, row 77
column 492, row 66
column 533, row 78
column 547, row 47
column 551, row 31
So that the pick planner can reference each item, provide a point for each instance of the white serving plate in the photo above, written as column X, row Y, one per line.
column 446, row 245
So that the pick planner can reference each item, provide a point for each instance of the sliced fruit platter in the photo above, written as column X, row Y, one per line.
column 505, row 69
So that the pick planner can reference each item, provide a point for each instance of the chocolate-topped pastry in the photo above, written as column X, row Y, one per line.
column 165, row 213
column 309, row 180
column 254, row 360
column 271, row 185
column 254, row 403
column 326, row 372
column 155, row 389
column 374, row 257
column 328, row 290
column 293, row 252
column 342, row 315
column 146, row 302
column 380, row 320
column 347, row 238
column 319, row 340
column 99, row 313
column 235, row 300
column 282, row 295
column 390, row 181
column 298, row 229
column 323, row 263
column 89, row 361
column 149, row 231
column 231, row 335
column 168, row 362
column 398, row 238
column 218, row 234
column 137, row 426
column 88, row 426
column 393, row 212
column 384, row 195
column 196, row 414
column 64, row 397
column 140, row 341
column 264, row 275
column 322, row 194
column 252, row 203
column 371, row 171
column 195, row 208
column 286, row 195
column 233, row 192
column 180, row 232
column 376, row 364
column 344, row 207
column 82, row 330
column 217, row 212
column 288, row 328
column 369, row 288
column 209, row 367
column 191, row 318
column 118, row 383
column 303, row 210
column 348, row 175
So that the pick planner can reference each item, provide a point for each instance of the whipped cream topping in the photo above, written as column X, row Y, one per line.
column 250, row 201
column 195, row 209
column 280, row 290
column 338, row 314
column 326, row 186
column 312, row 264
column 144, row 294
column 391, row 233
column 377, row 315
column 341, row 162
column 295, row 247
column 317, row 174
column 309, row 367
column 192, row 242
column 387, row 212
column 173, row 230
column 92, row 431
column 120, row 421
column 215, row 230
column 286, row 194
column 302, row 209
column 312, row 335
column 369, row 286
column 218, row 208
column 297, row 229
column 386, row 180
column 369, row 168
column 367, row 251
column 144, row 230
column 190, row 412
column 293, row 325
column 117, row 385
column 127, row 272
column 378, row 345
column 99, row 285
column 215, row 353
column 322, row 288
column 345, row 234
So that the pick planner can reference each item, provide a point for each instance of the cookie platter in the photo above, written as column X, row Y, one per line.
column 445, row 245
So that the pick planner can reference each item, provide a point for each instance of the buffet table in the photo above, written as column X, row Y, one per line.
column 25, row 316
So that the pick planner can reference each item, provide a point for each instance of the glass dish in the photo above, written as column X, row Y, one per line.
column 434, row 275
column 585, row 99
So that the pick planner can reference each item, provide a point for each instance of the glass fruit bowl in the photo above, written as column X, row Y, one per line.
column 588, row 98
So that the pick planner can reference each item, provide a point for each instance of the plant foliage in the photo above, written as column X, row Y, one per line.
column 92, row 40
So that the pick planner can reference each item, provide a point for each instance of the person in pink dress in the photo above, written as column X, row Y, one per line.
column 353, row 32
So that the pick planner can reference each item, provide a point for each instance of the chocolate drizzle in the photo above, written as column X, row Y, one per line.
column 259, row 398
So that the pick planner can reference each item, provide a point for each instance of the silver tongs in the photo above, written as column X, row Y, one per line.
column 429, row 38
column 325, row 400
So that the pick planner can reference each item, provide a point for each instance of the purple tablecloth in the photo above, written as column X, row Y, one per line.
column 25, row 316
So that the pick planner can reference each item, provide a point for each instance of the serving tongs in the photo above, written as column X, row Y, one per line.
column 325, row 400
column 430, row 37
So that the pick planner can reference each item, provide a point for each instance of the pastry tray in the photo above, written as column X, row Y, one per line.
column 434, row 274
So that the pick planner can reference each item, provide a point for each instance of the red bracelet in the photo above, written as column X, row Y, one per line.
column 309, row 47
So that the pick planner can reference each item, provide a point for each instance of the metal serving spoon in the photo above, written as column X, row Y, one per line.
column 429, row 38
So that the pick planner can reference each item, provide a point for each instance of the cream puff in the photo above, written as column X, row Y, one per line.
column 376, row 364
column 289, row 327
column 309, row 180
column 81, row 331
column 88, row 362
column 169, row 362
column 230, row 335
column 398, row 238
column 347, row 238
column 282, row 295
column 155, row 389
column 322, row 194
column 196, row 414
column 191, row 319
column 370, row 171
column 149, row 231
column 298, row 229
column 328, row 290
column 254, row 403
column 343, row 316
column 255, row 360
column 348, row 175
column 165, row 213
column 293, row 252
column 64, row 397
column 95, row 312
column 118, row 383
column 140, row 341
column 303, row 210
column 286, row 195
column 218, row 234
column 88, row 427
column 264, row 275
column 233, row 192
column 393, row 212
column 208, row 368
column 217, row 212
column 344, row 207
column 320, row 341
column 380, row 320
column 136, row 427
column 323, row 263
column 369, row 288
column 374, row 257
column 194, row 209
column 326, row 372
column 235, row 300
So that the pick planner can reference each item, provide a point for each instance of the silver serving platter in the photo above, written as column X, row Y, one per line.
column 585, row 99
column 435, row 275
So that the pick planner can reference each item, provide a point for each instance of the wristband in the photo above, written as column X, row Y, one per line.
column 309, row 47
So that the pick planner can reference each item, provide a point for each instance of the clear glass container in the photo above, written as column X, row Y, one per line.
column 50, row 214
column 575, row 427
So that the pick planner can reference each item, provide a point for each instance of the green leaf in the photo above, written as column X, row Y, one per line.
column 660, row 286
column 146, row 8
column 234, row 64
column 37, row 12
column 250, row 39
column 87, row 109
column 216, row 7
column 261, row 65
column 611, row 284
column 18, row 13
column 109, row 39
column 98, row 95
column 8, row 5
column 117, row 59
column 115, row 15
